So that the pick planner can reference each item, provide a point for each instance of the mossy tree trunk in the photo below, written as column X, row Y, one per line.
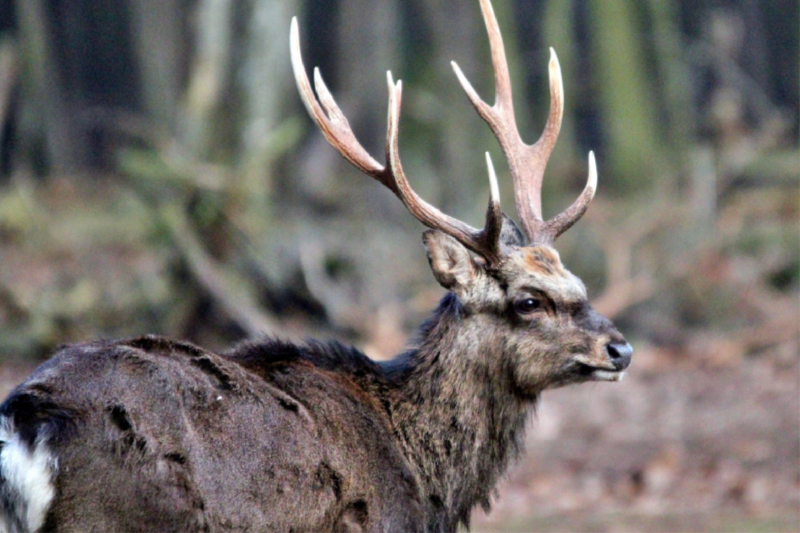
column 624, row 82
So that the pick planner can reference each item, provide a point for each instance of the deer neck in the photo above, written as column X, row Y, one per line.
column 456, row 411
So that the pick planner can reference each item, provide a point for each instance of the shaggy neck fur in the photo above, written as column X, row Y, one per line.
column 456, row 410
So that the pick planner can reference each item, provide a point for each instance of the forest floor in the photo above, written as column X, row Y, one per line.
column 673, row 447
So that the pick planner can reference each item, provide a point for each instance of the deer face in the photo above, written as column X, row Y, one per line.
column 539, row 310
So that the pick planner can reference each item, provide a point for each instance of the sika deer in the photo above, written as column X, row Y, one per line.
column 150, row 434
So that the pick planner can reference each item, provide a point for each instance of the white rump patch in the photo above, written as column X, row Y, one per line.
column 28, row 475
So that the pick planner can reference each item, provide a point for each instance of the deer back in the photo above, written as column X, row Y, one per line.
column 155, row 435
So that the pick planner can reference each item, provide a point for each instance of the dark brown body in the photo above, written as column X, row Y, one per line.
column 155, row 435
column 250, row 441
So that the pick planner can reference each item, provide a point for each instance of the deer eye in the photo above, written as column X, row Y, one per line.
column 526, row 306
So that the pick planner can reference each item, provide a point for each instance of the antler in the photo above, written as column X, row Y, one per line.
column 337, row 131
column 527, row 162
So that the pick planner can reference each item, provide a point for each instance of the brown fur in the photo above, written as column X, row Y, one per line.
column 151, row 434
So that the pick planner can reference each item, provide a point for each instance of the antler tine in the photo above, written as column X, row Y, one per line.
column 339, row 134
column 334, row 125
column 484, row 242
column 526, row 162
column 564, row 220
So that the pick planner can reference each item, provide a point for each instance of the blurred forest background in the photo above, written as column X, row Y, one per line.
column 158, row 174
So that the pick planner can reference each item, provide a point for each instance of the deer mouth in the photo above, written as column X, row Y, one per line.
column 595, row 373
column 601, row 374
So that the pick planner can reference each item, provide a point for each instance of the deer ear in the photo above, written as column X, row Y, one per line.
column 452, row 265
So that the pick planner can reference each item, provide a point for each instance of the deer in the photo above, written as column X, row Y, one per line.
column 153, row 434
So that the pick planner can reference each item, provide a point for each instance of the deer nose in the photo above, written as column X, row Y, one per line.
column 620, row 354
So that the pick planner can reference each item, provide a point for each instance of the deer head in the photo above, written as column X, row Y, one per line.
column 514, row 274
